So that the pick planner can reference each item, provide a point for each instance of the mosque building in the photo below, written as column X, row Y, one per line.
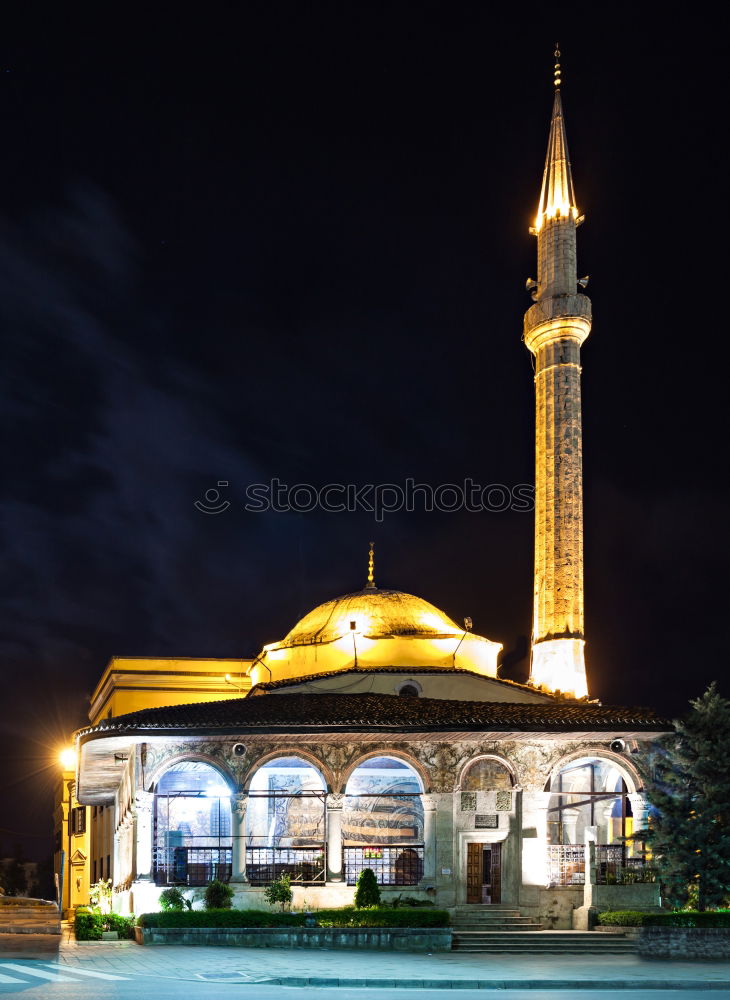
column 378, row 732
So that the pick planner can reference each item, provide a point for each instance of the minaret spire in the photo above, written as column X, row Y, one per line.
column 370, row 585
column 555, row 328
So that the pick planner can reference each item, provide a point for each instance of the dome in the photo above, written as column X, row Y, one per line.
column 374, row 628
column 377, row 614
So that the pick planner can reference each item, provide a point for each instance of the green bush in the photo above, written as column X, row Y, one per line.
column 218, row 895
column 689, row 918
column 279, row 891
column 172, row 899
column 367, row 890
column 623, row 918
column 346, row 916
column 383, row 916
column 409, row 901
column 221, row 918
column 89, row 924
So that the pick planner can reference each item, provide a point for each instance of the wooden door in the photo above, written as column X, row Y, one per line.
column 483, row 873
column 474, row 867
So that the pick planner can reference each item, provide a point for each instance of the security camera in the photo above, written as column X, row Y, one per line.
column 618, row 746
column 239, row 749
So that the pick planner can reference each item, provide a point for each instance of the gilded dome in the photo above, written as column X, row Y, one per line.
column 376, row 614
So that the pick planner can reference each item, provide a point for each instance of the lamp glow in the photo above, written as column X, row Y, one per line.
column 67, row 759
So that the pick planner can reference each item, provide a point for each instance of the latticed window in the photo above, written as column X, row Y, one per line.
column 589, row 792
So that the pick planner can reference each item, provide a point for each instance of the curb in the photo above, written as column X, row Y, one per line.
column 504, row 984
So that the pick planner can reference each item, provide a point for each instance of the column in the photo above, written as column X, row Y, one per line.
column 639, row 810
column 143, row 806
column 430, row 812
column 239, row 803
column 335, row 801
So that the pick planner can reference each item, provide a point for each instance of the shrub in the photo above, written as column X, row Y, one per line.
column 409, row 901
column 172, row 899
column 100, row 895
column 343, row 917
column 623, row 918
column 383, row 917
column 689, row 918
column 367, row 891
column 89, row 924
column 218, row 895
column 221, row 918
column 279, row 891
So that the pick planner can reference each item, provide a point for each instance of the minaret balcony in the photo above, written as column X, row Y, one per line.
column 557, row 317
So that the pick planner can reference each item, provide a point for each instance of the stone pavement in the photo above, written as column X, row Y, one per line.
column 290, row 967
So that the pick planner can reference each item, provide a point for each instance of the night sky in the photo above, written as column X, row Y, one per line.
column 258, row 240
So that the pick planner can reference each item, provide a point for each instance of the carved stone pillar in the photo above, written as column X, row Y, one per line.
column 143, row 806
column 335, row 801
column 239, row 803
column 430, row 811
column 639, row 810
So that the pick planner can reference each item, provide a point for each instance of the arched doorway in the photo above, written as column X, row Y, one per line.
column 485, row 791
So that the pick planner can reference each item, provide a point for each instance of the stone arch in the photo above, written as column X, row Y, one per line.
column 287, row 751
column 627, row 770
column 469, row 763
column 182, row 757
column 398, row 754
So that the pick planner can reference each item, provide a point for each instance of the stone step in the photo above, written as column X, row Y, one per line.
column 505, row 929
column 491, row 949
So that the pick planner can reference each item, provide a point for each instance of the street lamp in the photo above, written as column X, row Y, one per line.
column 67, row 759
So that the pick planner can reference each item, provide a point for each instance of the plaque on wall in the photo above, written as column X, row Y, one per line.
column 468, row 801
column 504, row 801
column 485, row 821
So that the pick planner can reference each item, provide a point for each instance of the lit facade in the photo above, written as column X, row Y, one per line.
column 378, row 733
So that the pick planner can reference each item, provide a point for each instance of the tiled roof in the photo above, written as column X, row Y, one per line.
column 264, row 686
column 378, row 713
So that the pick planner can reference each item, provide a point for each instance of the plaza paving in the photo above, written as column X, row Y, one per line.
column 290, row 967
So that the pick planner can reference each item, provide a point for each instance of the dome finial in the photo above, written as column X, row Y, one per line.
column 370, row 585
column 556, row 70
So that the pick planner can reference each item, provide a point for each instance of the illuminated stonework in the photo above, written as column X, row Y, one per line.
column 555, row 328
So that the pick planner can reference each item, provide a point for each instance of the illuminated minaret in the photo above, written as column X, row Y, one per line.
column 555, row 327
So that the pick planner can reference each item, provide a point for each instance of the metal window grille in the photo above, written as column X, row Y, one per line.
column 615, row 867
column 567, row 864
column 303, row 865
column 192, row 865
column 392, row 865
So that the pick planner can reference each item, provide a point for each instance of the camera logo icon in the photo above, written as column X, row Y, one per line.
column 212, row 503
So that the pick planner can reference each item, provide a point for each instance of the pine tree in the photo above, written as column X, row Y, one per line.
column 687, row 782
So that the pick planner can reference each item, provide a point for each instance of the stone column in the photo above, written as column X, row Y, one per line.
column 143, row 806
column 639, row 810
column 239, row 803
column 335, row 801
column 430, row 812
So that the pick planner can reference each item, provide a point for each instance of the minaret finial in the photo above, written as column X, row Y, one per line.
column 370, row 585
column 556, row 71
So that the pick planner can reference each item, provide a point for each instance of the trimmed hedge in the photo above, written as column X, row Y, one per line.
column 682, row 918
column 689, row 918
column 89, row 925
column 344, row 917
column 623, row 918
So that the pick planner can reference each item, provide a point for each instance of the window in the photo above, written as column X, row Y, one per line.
column 285, row 822
column 78, row 820
column 93, row 872
column 108, row 866
column 382, row 822
column 409, row 690
column 589, row 792
column 192, row 826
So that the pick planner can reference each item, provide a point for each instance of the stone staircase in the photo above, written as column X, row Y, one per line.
column 503, row 930
column 20, row 915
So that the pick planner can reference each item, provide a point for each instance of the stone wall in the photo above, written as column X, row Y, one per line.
column 416, row 939
column 699, row 943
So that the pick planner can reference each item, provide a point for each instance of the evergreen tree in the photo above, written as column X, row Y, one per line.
column 367, row 890
column 687, row 782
